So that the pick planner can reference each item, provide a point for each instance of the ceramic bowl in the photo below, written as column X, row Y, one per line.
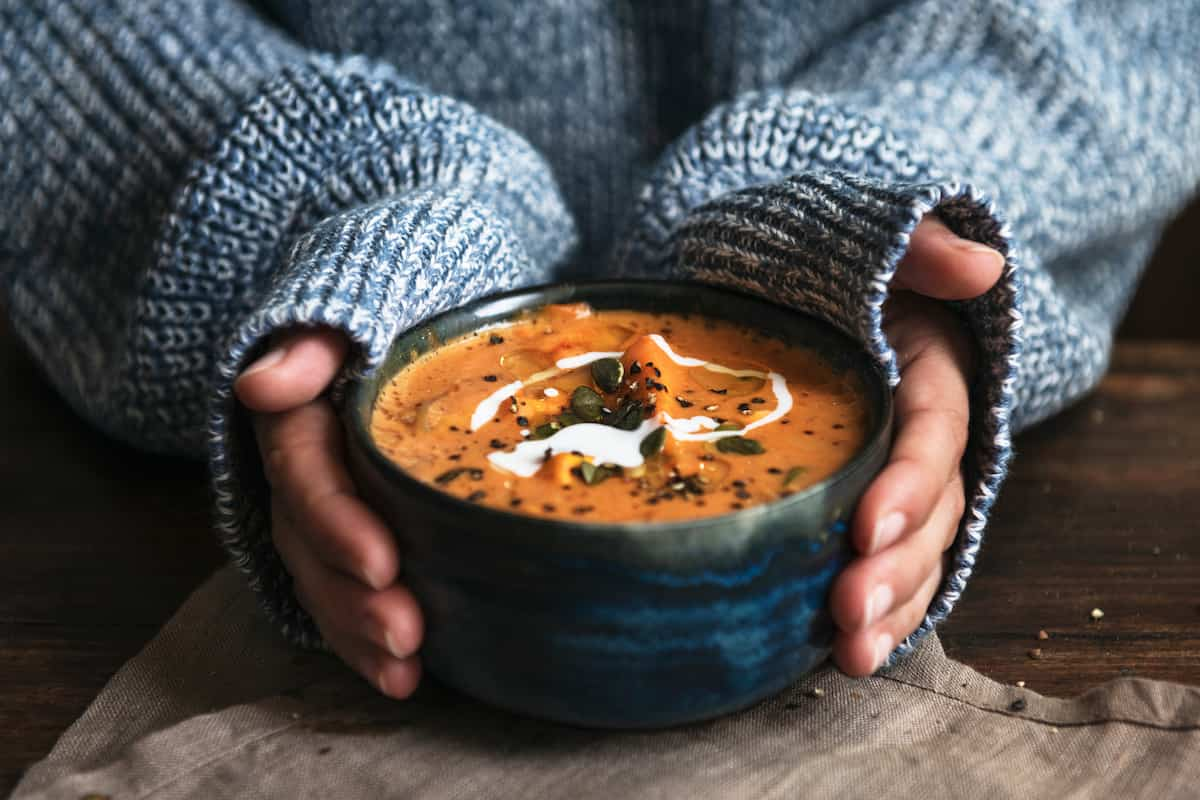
column 621, row 625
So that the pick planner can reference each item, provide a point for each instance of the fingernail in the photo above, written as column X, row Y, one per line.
column 381, row 682
column 270, row 359
column 393, row 648
column 883, row 649
column 888, row 530
column 980, row 249
column 879, row 603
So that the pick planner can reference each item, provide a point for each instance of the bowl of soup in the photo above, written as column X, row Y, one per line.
column 621, row 504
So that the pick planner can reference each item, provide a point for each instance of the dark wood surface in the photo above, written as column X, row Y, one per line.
column 99, row 544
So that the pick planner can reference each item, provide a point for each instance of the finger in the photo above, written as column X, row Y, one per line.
column 297, row 368
column 862, row 652
column 940, row 264
column 302, row 456
column 395, row 677
column 870, row 588
column 931, row 406
column 344, row 610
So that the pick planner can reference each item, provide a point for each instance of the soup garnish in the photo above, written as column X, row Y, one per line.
column 612, row 416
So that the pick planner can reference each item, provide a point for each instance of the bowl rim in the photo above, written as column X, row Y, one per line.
column 751, row 518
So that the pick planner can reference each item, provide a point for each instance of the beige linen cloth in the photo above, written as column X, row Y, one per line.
column 218, row 706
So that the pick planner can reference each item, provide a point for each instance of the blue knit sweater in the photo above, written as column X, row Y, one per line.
column 177, row 180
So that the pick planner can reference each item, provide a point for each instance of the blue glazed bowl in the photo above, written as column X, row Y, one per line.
column 633, row 625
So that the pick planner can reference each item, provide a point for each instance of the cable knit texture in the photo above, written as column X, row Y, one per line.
column 179, row 180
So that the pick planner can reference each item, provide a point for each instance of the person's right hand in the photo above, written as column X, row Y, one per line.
column 342, row 557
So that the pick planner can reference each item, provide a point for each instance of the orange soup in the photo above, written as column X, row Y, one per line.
column 612, row 416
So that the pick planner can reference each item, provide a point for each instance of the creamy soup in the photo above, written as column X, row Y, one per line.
column 619, row 415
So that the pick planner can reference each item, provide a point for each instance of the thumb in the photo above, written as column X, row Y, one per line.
column 942, row 265
column 297, row 368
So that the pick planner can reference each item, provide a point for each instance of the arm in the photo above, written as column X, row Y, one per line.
column 178, row 181
column 1063, row 135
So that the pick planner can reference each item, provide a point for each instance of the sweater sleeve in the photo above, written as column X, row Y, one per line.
column 178, row 180
column 1062, row 134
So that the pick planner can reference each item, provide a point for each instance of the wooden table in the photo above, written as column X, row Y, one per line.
column 99, row 544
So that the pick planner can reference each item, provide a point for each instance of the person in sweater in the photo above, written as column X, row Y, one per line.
column 210, row 211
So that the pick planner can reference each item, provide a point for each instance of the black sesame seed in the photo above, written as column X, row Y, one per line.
column 808, row 433
column 494, row 339
column 739, row 484
column 635, row 368
column 516, row 501
column 757, row 400
column 736, row 506
column 475, row 497
column 683, row 403
column 742, row 494
column 837, row 426
column 523, row 422
column 454, row 456
column 719, row 391
column 774, row 470
column 490, row 378
column 497, row 444
column 1018, row 704
column 548, row 507
column 454, row 427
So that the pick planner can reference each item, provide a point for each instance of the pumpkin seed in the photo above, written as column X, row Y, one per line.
column 627, row 417
column 653, row 443
column 586, row 404
column 546, row 430
column 449, row 475
column 607, row 373
column 593, row 474
column 740, row 445
column 793, row 473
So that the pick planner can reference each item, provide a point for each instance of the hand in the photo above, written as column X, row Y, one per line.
column 909, row 516
column 342, row 558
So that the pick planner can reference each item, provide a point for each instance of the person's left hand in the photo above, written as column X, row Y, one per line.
column 910, row 514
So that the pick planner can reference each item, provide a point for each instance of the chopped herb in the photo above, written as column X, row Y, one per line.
column 495, row 339
column 729, row 426
column 475, row 497
column 490, row 378
column 793, row 473
column 586, row 404
column 653, row 443
column 567, row 419
column 740, row 445
column 683, row 403
column 607, row 373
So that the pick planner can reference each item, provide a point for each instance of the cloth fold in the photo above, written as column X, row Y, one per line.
column 219, row 705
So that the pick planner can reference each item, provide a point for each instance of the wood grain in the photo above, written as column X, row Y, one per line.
column 99, row 544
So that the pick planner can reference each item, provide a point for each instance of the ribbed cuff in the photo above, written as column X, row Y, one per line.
column 371, row 272
column 345, row 196
column 828, row 244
